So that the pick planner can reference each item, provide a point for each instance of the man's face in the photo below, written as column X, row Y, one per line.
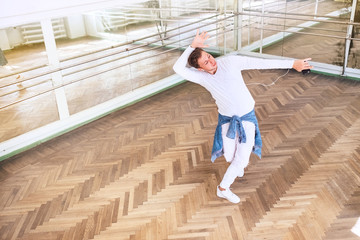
column 207, row 63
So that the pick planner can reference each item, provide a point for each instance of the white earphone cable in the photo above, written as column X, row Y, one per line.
column 267, row 85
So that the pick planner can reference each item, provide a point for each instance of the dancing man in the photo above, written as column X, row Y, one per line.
column 237, row 133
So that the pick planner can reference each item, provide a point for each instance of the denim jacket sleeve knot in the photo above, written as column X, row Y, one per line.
column 235, row 126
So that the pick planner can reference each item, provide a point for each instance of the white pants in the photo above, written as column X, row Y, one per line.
column 237, row 153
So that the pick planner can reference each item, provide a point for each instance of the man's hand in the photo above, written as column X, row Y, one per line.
column 302, row 64
column 199, row 40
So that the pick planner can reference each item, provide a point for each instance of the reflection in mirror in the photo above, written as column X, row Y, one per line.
column 20, row 45
column 354, row 54
column 291, row 34
column 112, row 51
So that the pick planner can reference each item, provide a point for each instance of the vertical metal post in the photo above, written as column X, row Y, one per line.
column 220, row 24
column 217, row 11
column 161, row 23
column 238, row 24
column 262, row 25
column 316, row 8
column 348, row 36
column 224, row 26
column 161, row 17
column 249, row 27
column 54, row 63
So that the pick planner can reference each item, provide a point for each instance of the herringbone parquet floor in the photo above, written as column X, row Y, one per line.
column 144, row 172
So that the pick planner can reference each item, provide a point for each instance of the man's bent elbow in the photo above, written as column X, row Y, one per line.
column 176, row 69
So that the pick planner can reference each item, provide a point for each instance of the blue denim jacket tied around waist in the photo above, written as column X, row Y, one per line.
column 235, row 126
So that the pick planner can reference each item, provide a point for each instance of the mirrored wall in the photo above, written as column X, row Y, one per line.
column 89, row 58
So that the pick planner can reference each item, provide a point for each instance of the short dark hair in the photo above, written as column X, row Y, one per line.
column 194, row 57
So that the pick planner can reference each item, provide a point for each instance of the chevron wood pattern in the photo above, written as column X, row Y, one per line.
column 144, row 172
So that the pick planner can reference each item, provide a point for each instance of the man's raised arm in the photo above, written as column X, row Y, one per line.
column 180, row 66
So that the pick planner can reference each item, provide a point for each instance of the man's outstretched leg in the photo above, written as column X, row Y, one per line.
column 238, row 154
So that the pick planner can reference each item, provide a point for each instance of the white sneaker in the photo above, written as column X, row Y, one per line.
column 356, row 228
column 229, row 195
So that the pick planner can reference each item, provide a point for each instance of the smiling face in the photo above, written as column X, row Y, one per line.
column 207, row 63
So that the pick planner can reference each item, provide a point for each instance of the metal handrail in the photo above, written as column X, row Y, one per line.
column 310, row 28
column 130, row 42
column 144, row 45
column 269, row 29
column 121, row 65
column 113, row 53
column 140, row 18
column 135, row 16
column 96, row 51
column 135, row 47
column 98, row 73
column 312, row 34
column 293, row 18
column 178, row 9
column 295, row 14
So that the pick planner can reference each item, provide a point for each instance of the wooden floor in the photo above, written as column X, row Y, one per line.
column 144, row 172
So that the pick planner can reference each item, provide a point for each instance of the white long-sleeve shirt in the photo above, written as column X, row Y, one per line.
column 227, row 85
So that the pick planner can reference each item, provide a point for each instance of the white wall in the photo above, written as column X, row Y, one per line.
column 75, row 26
column 14, row 36
column 91, row 25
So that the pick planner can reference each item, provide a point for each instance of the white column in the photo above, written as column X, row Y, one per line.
column 4, row 40
column 54, row 64
column 92, row 28
column 75, row 26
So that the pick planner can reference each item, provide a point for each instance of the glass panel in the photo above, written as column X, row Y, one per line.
column 354, row 54
column 27, row 115
column 20, row 45
column 23, row 76
column 90, row 89
column 291, row 34
column 155, row 66
column 322, row 41
column 112, row 51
